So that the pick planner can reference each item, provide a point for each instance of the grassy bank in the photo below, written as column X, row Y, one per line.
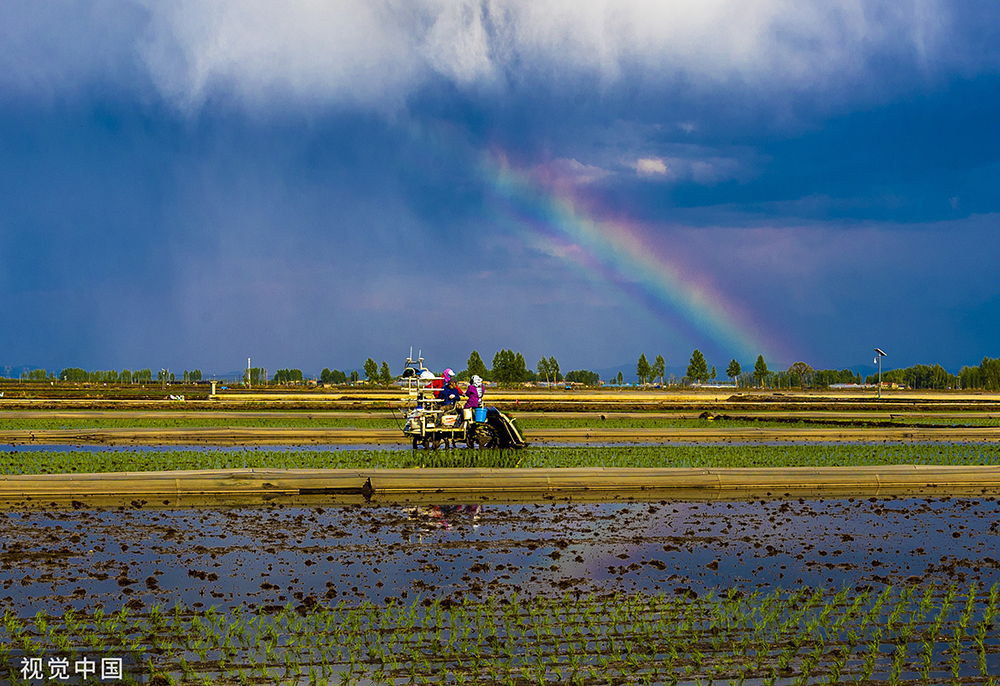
column 714, row 456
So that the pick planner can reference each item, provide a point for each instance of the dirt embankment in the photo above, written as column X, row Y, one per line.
column 717, row 400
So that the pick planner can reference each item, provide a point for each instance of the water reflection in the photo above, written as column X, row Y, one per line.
column 54, row 557
column 431, row 517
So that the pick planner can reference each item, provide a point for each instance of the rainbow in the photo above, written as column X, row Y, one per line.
column 551, row 217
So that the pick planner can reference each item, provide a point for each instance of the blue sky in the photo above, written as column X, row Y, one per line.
column 186, row 184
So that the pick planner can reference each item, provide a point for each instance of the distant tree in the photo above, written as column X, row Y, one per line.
column 334, row 376
column 520, row 368
column 554, row 368
column 476, row 366
column 713, row 375
column 760, row 370
column 969, row 377
column 371, row 371
column 284, row 376
column 621, row 378
column 503, row 361
column 509, row 367
column 384, row 374
column 338, row 377
column 583, row 376
column 355, row 377
column 125, row 376
column 826, row 377
column 642, row 369
column 989, row 374
column 543, row 368
column 697, row 367
column 659, row 368
column 501, row 365
column 801, row 374
column 72, row 374
column 920, row 376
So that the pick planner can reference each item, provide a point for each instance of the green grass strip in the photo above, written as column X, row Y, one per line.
column 387, row 421
column 716, row 456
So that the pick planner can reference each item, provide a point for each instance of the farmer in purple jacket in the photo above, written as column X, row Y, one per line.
column 474, row 393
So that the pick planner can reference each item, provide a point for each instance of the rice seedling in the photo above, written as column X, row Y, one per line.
column 806, row 635
column 714, row 456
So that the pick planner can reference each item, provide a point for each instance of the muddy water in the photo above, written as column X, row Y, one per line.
column 273, row 555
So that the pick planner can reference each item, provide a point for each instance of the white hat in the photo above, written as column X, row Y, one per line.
column 476, row 379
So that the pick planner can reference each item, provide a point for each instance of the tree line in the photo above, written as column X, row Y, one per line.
column 986, row 376
column 510, row 368
column 698, row 371
column 125, row 376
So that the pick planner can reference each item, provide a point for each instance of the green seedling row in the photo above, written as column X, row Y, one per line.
column 234, row 422
column 388, row 421
column 715, row 456
column 905, row 635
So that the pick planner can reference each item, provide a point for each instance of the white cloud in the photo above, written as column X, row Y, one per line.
column 377, row 52
column 352, row 50
column 705, row 170
column 650, row 166
column 457, row 45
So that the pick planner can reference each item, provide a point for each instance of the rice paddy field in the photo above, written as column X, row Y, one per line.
column 460, row 590
column 58, row 460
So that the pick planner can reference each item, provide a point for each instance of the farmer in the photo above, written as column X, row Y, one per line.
column 451, row 392
column 474, row 392
column 440, row 383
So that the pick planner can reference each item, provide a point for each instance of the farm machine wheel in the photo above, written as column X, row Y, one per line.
column 485, row 436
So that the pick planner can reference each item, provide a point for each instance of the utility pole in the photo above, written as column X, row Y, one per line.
column 248, row 374
column 878, row 358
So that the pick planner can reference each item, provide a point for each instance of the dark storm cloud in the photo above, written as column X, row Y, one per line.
column 187, row 183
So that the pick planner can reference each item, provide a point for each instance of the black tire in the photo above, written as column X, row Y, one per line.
column 486, row 437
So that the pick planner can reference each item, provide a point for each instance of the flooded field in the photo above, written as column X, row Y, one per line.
column 359, row 561
column 518, row 590
column 276, row 554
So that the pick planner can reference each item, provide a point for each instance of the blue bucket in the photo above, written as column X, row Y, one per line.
column 480, row 414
